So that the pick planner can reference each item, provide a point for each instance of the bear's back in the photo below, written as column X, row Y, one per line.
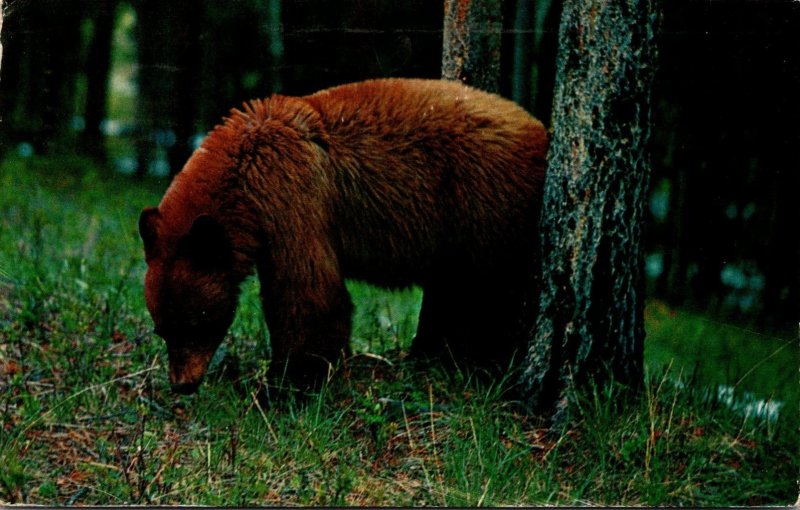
column 429, row 173
column 412, row 108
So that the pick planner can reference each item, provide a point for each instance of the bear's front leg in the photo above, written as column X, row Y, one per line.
column 309, row 319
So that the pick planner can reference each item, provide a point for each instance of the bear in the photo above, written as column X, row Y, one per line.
column 395, row 182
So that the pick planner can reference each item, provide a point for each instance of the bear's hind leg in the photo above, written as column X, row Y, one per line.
column 436, row 318
column 480, row 325
column 447, row 322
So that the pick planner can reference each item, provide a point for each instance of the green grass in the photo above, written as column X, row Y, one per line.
column 712, row 353
column 87, row 416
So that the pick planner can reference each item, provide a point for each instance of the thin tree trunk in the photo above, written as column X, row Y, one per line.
column 185, row 80
column 274, row 23
column 471, row 46
column 676, row 274
column 782, row 276
column 523, row 44
column 533, row 55
column 591, row 324
column 97, row 74
column 166, row 52
column 545, row 28
column 151, row 79
column 56, row 64
column 1, row 33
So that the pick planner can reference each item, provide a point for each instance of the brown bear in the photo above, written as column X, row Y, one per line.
column 395, row 182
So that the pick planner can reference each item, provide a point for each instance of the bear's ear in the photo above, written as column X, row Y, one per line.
column 207, row 245
column 147, row 227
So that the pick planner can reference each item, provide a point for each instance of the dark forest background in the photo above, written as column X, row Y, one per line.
column 135, row 85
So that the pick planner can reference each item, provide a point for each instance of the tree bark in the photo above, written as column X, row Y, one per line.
column 591, row 326
column 471, row 46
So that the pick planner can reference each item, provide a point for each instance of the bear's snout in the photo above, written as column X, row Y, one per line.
column 186, row 369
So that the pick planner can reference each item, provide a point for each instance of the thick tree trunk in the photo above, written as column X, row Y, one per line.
column 591, row 324
column 471, row 46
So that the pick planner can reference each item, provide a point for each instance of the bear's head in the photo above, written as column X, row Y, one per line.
column 190, row 291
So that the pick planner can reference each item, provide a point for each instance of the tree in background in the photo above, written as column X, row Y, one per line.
column 471, row 42
column 528, row 55
column 591, row 324
column 168, row 37
column 329, row 43
column 1, row 33
column 727, row 75
column 196, row 61
column 39, row 77
column 97, row 77
column 274, row 33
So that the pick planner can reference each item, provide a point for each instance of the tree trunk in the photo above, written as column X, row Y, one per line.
column 1, row 33
column 39, row 80
column 155, row 49
column 545, row 28
column 590, row 326
column 523, row 45
column 169, row 64
column 471, row 46
column 188, row 64
column 274, row 24
column 534, row 56
column 98, row 66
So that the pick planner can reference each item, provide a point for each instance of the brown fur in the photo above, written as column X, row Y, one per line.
column 395, row 182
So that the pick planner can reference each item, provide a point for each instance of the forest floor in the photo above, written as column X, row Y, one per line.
column 87, row 416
